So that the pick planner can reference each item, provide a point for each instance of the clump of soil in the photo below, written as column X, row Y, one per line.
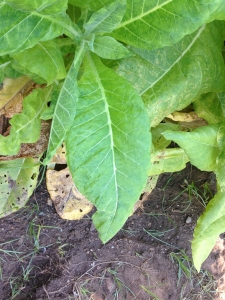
column 44, row 257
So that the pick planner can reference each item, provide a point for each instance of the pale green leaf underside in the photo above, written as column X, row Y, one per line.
column 108, row 146
column 21, row 30
column 18, row 179
column 171, row 78
column 106, row 19
column 109, row 48
column 65, row 108
column 155, row 24
column 200, row 145
column 167, row 160
column 26, row 126
column 45, row 60
column 209, row 226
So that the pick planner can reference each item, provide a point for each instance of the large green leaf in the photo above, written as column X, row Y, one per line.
column 171, row 78
column 107, row 47
column 106, row 19
column 65, row 108
column 20, row 30
column 209, row 226
column 167, row 160
column 45, row 60
column 155, row 24
column 108, row 146
column 200, row 145
column 18, row 179
column 208, row 106
column 27, row 125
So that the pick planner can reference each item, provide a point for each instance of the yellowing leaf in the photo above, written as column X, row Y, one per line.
column 69, row 203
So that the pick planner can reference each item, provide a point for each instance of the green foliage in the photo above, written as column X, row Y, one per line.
column 99, row 60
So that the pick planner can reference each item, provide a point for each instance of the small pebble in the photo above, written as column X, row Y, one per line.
column 188, row 221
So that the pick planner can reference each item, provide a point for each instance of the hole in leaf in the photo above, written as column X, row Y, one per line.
column 34, row 176
column 81, row 210
column 68, row 175
column 59, row 167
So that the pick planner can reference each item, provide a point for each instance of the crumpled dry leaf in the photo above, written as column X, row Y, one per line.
column 60, row 156
column 69, row 203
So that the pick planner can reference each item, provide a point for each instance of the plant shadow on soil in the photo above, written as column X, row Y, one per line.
column 44, row 257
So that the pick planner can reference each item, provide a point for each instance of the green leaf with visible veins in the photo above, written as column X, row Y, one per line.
column 106, row 19
column 155, row 24
column 107, row 47
column 18, row 179
column 200, row 145
column 6, row 69
column 171, row 78
column 26, row 126
column 65, row 108
column 209, row 226
column 20, row 30
column 45, row 60
column 108, row 146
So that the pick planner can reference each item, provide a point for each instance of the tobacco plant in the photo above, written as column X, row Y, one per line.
column 122, row 79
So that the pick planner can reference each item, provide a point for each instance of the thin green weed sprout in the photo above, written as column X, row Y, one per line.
column 150, row 293
column 154, row 235
column 203, row 280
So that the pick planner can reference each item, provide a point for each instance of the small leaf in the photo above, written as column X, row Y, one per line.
column 18, row 179
column 167, row 160
column 209, row 226
column 65, row 108
column 155, row 24
column 106, row 19
column 200, row 145
column 45, row 60
column 158, row 140
column 107, row 47
column 27, row 125
column 108, row 146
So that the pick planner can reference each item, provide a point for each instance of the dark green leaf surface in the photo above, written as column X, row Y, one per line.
column 107, row 47
column 200, row 145
column 108, row 146
column 155, row 24
column 209, row 226
column 106, row 19
column 18, row 179
column 171, row 78
column 20, row 30
column 91, row 4
column 45, row 60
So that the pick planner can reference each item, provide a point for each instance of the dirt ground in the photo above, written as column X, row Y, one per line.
column 44, row 257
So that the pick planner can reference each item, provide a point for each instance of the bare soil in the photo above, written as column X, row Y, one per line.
column 44, row 257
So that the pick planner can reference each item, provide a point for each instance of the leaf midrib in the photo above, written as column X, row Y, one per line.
column 177, row 60
column 98, row 80
column 123, row 24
